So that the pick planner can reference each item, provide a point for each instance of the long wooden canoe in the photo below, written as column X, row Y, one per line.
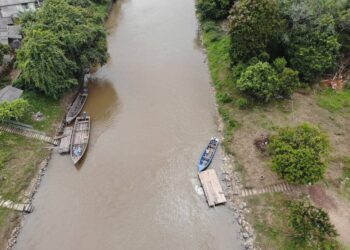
column 80, row 138
column 208, row 154
column 77, row 107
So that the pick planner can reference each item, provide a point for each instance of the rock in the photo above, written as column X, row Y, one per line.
column 242, row 205
column 245, row 235
column 239, row 221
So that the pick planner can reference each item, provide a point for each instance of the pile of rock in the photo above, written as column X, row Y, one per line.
column 234, row 186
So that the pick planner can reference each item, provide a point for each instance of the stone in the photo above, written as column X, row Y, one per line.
column 245, row 235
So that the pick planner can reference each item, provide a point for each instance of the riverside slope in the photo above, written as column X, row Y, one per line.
column 153, row 112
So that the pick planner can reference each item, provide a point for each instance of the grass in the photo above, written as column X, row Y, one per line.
column 51, row 109
column 20, row 157
column 270, row 222
column 217, row 44
column 334, row 101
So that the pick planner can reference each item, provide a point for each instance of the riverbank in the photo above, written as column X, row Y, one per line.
column 244, row 123
column 21, row 160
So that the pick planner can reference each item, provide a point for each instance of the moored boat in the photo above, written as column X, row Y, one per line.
column 80, row 137
column 208, row 154
column 77, row 106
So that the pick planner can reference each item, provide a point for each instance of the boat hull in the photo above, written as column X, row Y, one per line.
column 208, row 154
column 80, row 138
column 76, row 107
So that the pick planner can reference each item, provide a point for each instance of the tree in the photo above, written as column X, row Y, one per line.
column 214, row 9
column 13, row 110
column 255, row 28
column 264, row 82
column 62, row 39
column 44, row 64
column 312, row 226
column 297, row 154
column 311, row 40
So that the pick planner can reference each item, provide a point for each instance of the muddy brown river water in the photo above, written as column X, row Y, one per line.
column 153, row 112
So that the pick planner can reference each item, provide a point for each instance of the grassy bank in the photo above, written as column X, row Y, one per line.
column 245, row 122
column 20, row 157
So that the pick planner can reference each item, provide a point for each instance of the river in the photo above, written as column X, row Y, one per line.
column 153, row 111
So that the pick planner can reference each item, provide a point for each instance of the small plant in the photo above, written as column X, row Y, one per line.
column 312, row 226
column 297, row 154
column 224, row 98
column 242, row 103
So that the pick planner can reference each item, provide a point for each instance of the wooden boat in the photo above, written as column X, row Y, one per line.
column 80, row 137
column 76, row 107
column 208, row 154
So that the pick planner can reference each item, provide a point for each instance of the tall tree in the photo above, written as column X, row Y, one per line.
column 255, row 27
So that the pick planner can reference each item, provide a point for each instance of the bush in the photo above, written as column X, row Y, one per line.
column 214, row 9
column 4, row 49
column 224, row 98
column 13, row 110
column 242, row 103
column 264, row 82
column 297, row 154
column 312, row 226
column 255, row 28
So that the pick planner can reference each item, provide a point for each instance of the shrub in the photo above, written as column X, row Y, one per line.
column 214, row 9
column 297, row 154
column 312, row 226
column 259, row 81
column 224, row 98
column 242, row 103
column 255, row 28
column 4, row 49
column 13, row 110
column 264, row 82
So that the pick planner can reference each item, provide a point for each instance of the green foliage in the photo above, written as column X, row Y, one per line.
column 311, row 40
column 264, row 82
column 242, row 103
column 62, row 39
column 4, row 49
column 44, row 64
column 214, row 9
column 13, row 110
column 314, row 50
column 298, row 154
column 255, row 28
column 312, row 226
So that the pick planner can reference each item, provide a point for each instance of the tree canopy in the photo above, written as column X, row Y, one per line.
column 62, row 39
column 255, row 26
column 297, row 153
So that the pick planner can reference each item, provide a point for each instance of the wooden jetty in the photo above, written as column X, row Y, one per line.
column 21, row 207
column 212, row 187
column 30, row 133
column 64, row 147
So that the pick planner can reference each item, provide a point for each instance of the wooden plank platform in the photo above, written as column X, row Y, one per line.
column 65, row 141
column 28, row 133
column 212, row 187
